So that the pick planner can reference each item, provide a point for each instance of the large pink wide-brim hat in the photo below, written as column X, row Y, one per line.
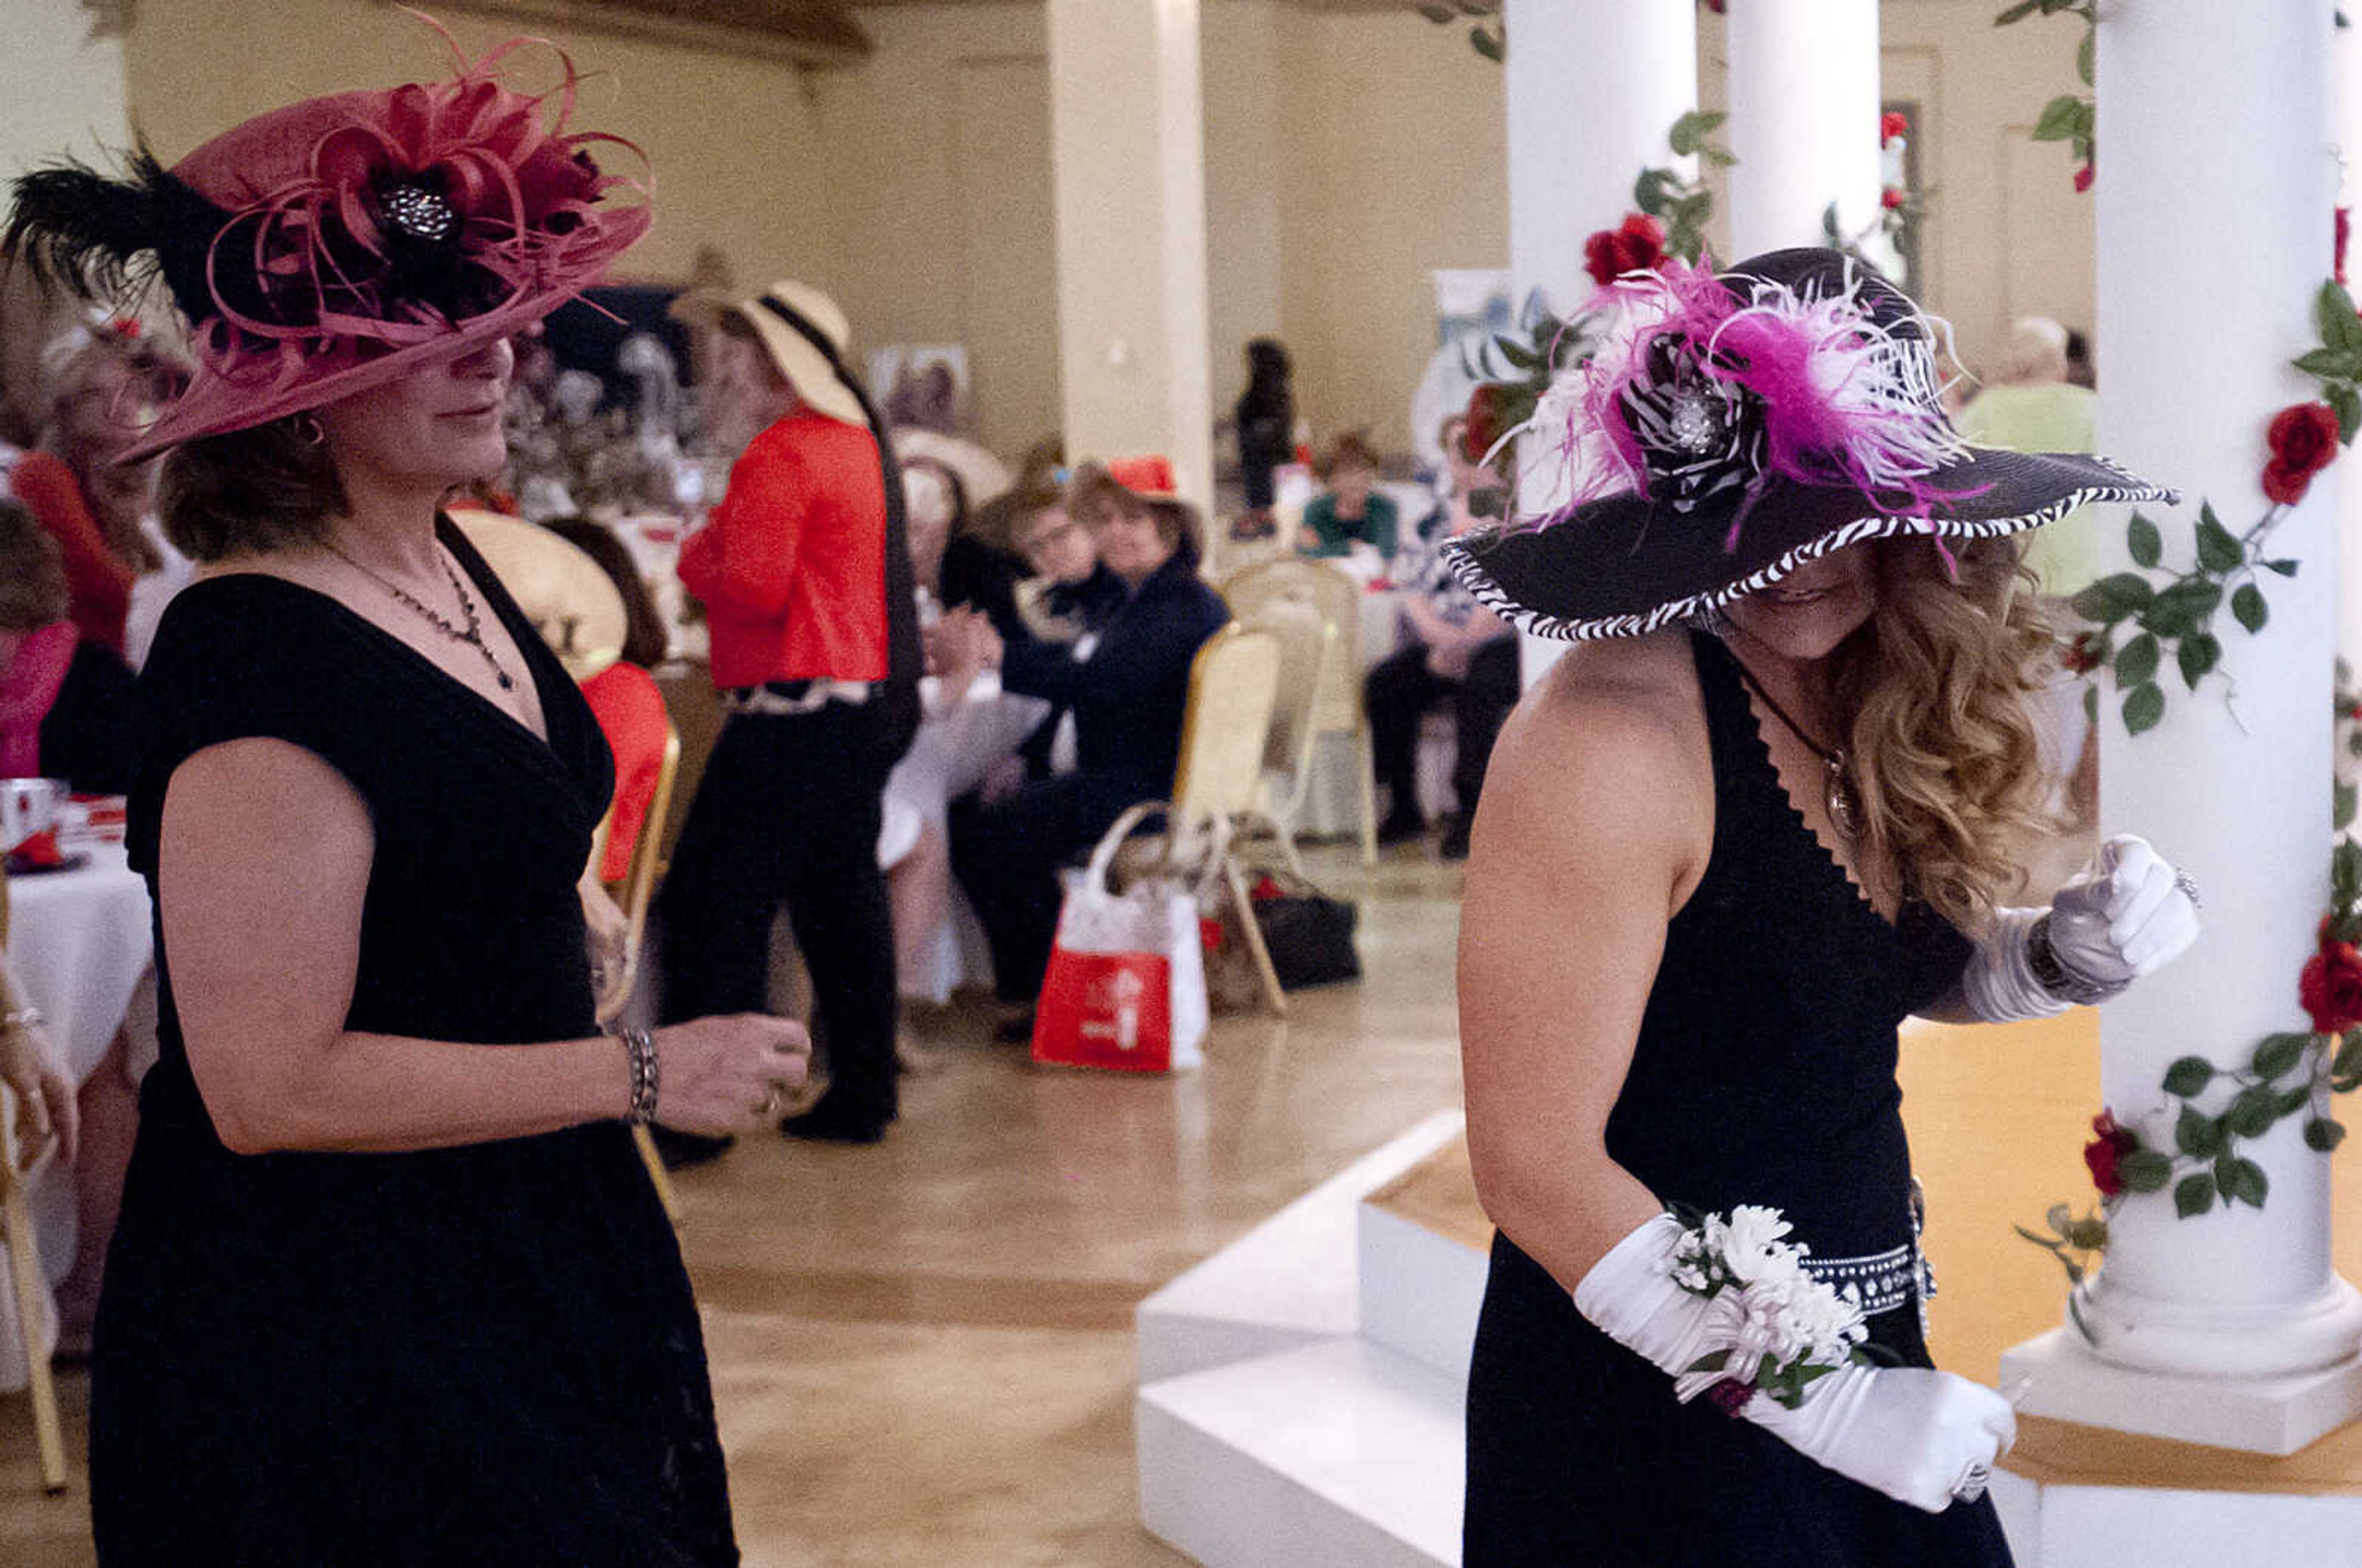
column 343, row 242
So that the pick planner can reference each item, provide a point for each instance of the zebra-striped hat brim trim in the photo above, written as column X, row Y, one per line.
column 1566, row 622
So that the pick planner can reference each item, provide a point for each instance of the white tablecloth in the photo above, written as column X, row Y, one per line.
column 79, row 945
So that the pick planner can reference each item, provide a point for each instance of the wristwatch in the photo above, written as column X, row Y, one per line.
column 2042, row 961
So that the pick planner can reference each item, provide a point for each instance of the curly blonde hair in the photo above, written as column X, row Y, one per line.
column 1939, row 683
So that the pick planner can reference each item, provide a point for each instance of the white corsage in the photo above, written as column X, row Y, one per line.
column 1769, row 1327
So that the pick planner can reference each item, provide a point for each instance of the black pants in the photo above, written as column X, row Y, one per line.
column 788, row 812
column 1400, row 689
column 1008, row 855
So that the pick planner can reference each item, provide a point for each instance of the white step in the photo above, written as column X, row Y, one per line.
column 1420, row 1291
column 1342, row 1454
column 1289, row 1282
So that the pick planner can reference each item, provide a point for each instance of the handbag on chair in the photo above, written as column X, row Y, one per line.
column 1309, row 933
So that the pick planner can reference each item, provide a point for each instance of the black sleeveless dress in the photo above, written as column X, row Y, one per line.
column 1764, row 1074
column 485, row 1354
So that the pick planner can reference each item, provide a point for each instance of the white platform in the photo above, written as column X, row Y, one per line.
column 2261, row 1414
column 1302, row 1393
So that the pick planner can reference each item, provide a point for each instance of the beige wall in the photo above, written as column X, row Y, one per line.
column 65, row 90
column 1346, row 156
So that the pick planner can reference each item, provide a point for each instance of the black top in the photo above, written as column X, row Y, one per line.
column 91, row 735
column 479, row 1354
column 984, row 576
column 1764, row 1073
column 1129, row 696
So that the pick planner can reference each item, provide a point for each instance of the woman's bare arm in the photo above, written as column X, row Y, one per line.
column 261, row 920
column 1596, row 822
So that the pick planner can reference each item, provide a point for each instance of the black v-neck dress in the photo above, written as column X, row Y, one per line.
column 485, row 1354
column 1764, row 1074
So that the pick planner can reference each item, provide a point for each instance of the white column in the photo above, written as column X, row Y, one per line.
column 1804, row 120
column 1592, row 88
column 1128, row 135
column 2347, row 132
column 2229, row 1327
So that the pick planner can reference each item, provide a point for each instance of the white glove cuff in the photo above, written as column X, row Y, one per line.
column 1630, row 1294
column 1999, row 984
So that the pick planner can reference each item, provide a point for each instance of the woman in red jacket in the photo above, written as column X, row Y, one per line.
column 796, row 568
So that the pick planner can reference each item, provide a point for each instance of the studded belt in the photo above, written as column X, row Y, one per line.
column 1886, row 1281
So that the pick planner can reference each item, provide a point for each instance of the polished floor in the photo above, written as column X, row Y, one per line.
column 921, row 1352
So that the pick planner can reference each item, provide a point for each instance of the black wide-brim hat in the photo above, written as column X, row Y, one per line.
column 1625, row 565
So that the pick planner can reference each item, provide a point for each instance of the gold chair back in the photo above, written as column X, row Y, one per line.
column 1233, row 687
column 1337, row 695
column 1308, row 645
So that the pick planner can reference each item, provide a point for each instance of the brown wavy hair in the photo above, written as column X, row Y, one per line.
column 1940, row 684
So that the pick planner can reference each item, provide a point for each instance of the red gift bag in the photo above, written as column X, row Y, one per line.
column 1126, row 986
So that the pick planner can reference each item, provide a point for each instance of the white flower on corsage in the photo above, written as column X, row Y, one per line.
column 1769, row 1327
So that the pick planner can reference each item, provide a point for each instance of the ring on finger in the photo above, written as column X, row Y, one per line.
column 771, row 1103
column 1973, row 1481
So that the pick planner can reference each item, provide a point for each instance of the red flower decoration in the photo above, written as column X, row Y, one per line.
column 1730, row 1395
column 2345, row 234
column 1485, row 426
column 2110, row 1143
column 2084, row 653
column 1892, row 125
column 2331, row 986
column 1636, row 246
column 1890, row 198
column 2083, row 178
column 2303, row 439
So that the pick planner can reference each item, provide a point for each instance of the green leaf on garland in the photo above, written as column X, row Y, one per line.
column 2083, row 61
column 2293, row 1100
column 2143, row 541
column 2334, row 317
column 1715, row 156
column 2276, row 1054
column 1518, row 354
column 2242, row 1181
column 2347, row 403
column 2090, row 703
column 2219, row 549
column 2328, row 364
column 2345, row 872
column 2091, row 1235
column 2017, row 13
column 2135, row 662
column 2247, row 607
column 2349, row 1056
column 2144, row 706
column 2197, row 655
column 2322, row 1135
column 1489, row 44
column 2062, row 118
column 2058, row 1218
column 2194, row 1196
column 1689, row 132
column 2114, row 597
column 2183, row 608
column 2197, row 1134
column 2145, row 1170
column 1649, row 190
column 2343, row 801
column 2189, row 1076
column 2284, row 567
column 2251, row 1115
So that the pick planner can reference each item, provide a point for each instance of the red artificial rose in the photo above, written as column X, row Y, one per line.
column 1730, row 1395
column 1890, row 198
column 2303, row 439
column 2083, row 178
column 1636, row 246
column 2109, row 1144
column 2083, row 653
column 1892, row 125
column 1714, row 5
column 2344, row 235
column 2331, row 987
column 1483, row 422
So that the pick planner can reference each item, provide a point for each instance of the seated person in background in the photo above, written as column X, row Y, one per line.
column 33, row 1071
column 645, row 641
column 1145, row 613
column 66, row 708
column 1351, row 510
column 1449, row 485
column 1461, row 652
column 966, row 557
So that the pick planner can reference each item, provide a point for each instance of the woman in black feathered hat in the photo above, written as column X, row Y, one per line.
column 1725, row 847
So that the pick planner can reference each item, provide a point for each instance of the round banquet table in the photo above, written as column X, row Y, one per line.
column 79, row 945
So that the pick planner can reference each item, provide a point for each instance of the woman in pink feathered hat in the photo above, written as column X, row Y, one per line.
column 389, row 1285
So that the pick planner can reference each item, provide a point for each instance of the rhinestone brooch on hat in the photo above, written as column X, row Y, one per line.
column 419, row 213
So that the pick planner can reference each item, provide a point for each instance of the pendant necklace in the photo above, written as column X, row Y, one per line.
column 471, row 634
column 1838, row 796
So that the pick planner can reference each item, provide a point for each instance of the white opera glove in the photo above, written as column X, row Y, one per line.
column 1917, row 1435
column 2128, row 916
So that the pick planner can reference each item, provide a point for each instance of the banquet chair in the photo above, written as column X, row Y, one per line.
column 1225, row 734
column 24, row 1270
column 630, row 869
column 1307, row 642
column 1337, row 694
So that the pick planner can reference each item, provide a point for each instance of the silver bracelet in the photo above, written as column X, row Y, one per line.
column 2051, row 973
column 21, row 1018
column 640, row 1046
